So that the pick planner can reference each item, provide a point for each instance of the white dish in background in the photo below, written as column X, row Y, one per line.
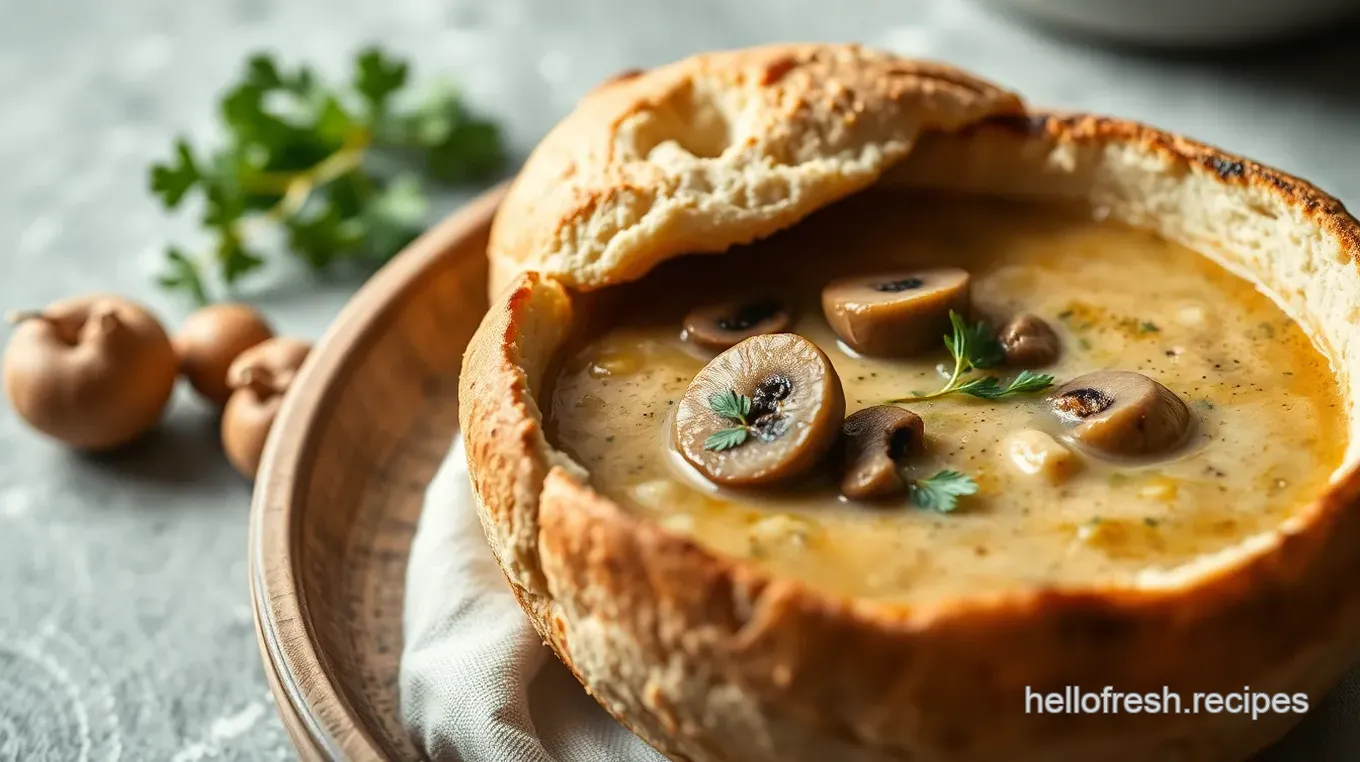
column 1186, row 23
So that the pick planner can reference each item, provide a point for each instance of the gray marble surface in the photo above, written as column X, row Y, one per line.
column 125, row 628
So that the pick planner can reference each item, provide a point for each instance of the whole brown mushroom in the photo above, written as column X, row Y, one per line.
column 258, row 379
column 876, row 440
column 94, row 372
column 1029, row 342
column 211, row 339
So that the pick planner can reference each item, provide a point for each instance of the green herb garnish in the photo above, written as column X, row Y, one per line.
column 974, row 348
column 734, row 407
column 726, row 439
column 339, row 171
column 988, row 388
column 942, row 491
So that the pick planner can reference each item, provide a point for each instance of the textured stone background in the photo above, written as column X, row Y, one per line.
column 125, row 628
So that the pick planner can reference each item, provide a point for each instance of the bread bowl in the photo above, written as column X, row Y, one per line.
column 716, row 656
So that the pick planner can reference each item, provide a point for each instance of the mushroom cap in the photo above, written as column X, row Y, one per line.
column 797, row 407
column 895, row 313
column 1121, row 413
column 94, row 372
column 725, row 324
column 211, row 338
column 246, row 420
column 279, row 358
column 876, row 440
column 1029, row 341
column 258, row 377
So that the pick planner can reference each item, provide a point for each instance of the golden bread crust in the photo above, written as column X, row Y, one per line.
column 503, row 428
column 711, row 660
column 707, row 659
column 719, row 149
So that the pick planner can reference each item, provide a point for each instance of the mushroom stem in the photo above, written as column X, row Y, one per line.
column 260, row 380
column 105, row 320
column 15, row 317
column 102, row 322
column 65, row 332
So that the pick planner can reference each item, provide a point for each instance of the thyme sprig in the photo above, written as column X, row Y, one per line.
column 974, row 347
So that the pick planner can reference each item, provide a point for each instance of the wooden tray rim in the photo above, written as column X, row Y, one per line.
column 299, row 674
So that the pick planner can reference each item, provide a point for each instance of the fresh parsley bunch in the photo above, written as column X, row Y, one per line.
column 340, row 171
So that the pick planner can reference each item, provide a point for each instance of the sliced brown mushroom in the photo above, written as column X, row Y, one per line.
column 793, row 405
column 876, row 440
column 1029, row 342
column 722, row 325
column 1121, row 413
column 895, row 314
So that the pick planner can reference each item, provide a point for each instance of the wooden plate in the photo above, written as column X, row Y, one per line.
column 367, row 422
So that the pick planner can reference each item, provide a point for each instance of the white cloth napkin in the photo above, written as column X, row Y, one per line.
column 478, row 685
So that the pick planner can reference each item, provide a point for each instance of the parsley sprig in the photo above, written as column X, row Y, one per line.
column 941, row 492
column 734, row 407
column 974, row 347
column 340, row 171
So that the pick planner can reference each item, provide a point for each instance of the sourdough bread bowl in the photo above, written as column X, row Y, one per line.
column 711, row 658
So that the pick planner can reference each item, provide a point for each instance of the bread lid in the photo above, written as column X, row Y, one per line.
column 717, row 150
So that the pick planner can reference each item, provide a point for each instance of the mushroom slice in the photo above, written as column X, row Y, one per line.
column 1121, row 413
column 767, row 410
column 1029, row 342
column 722, row 325
column 1034, row 453
column 876, row 440
column 895, row 314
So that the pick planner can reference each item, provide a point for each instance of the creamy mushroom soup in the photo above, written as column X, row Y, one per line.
column 1240, row 421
